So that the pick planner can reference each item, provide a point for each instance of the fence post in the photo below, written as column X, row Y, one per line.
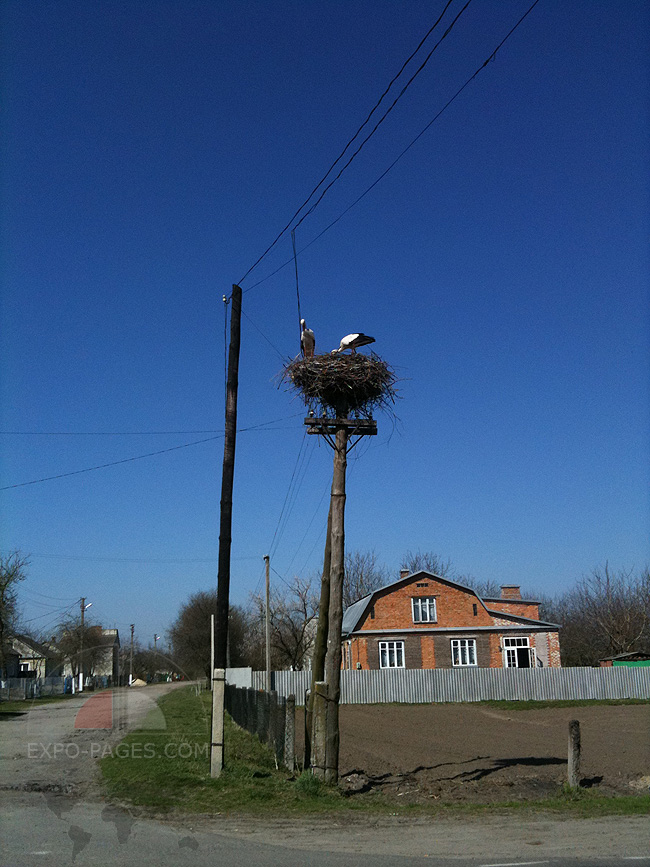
column 216, row 751
column 574, row 754
column 319, row 729
column 271, row 719
column 290, row 733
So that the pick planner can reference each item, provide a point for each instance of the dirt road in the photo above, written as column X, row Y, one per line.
column 54, row 747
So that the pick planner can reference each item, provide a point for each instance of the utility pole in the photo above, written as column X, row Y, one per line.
column 228, row 473
column 323, row 708
column 81, row 643
column 131, row 662
column 267, row 560
column 225, row 538
column 211, row 649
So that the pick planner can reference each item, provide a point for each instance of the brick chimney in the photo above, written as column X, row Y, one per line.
column 404, row 573
column 510, row 591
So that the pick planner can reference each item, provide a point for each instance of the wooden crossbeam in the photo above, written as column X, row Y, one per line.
column 366, row 427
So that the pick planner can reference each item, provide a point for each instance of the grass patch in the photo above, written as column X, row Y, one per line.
column 170, row 770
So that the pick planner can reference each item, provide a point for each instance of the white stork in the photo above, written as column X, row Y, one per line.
column 351, row 341
column 307, row 340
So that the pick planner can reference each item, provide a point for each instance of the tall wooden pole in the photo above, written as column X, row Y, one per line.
column 337, row 572
column 267, row 618
column 320, row 644
column 227, row 478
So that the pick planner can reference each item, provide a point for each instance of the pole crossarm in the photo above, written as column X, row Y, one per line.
column 327, row 427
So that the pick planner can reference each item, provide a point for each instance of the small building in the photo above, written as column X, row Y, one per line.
column 425, row 621
column 26, row 657
column 626, row 659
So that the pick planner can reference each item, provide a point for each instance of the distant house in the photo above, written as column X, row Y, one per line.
column 427, row 621
column 101, row 654
column 107, row 663
column 27, row 658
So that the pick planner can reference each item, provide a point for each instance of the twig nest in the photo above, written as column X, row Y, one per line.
column 341, row 384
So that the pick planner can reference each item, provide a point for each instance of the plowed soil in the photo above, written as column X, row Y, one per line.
column 480, row 754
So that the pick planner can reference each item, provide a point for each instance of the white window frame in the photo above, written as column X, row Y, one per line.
column 463, row 653
column 423, row 609
column 510, row 646
column 391, row 654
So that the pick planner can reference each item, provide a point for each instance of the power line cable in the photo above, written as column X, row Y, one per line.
column 259, row 330
column 403, row 152
column 139, row 457
column 349, row 143
column 300, row 478
column 381, row 119
column 284, row 504
column 165, row 560
column 139, row 433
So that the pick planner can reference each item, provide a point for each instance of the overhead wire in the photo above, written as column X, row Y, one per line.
column 350, row 142
column 262, row 425
column 403, row 152
column 381, row 119
column 300, row 478
column 271, row 548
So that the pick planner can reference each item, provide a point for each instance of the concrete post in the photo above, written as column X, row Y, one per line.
column 574, row 754
column 290, row 733
column 218, row 694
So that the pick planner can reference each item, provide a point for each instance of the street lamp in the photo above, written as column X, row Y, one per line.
column 84, row 608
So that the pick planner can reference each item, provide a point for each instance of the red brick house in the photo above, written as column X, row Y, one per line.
column 426, row 621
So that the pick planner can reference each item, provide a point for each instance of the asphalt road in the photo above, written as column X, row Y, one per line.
column 51, row 813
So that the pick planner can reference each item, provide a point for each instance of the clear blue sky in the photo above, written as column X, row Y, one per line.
column 153, row 150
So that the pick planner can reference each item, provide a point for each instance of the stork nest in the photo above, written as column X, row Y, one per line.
column 340, row 384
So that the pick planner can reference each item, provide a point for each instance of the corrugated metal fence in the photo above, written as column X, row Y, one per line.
column 478, row 684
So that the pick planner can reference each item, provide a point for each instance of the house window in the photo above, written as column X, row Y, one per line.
column 391, row 654
column 517, row 653
column 475, row 609
column 463, row 651
column 424, row 609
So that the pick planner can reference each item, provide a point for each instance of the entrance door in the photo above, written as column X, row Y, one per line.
column 517, row 653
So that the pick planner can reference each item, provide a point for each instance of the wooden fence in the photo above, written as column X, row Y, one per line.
column 477, row 684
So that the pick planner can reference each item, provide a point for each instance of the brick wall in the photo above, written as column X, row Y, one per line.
column 443, row 649
column 427, row 649
column 454, row 607
column 554, row 650
column 521, row 609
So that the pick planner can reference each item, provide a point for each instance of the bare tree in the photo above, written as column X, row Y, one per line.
column 429, row 562
column 488, row 588
column 606, row 614
column 72, row 639
column 293, row 612
column 13, row 569
column 190, row 634
column 363, row 575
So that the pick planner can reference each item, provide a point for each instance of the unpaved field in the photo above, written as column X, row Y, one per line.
column 479, row 754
